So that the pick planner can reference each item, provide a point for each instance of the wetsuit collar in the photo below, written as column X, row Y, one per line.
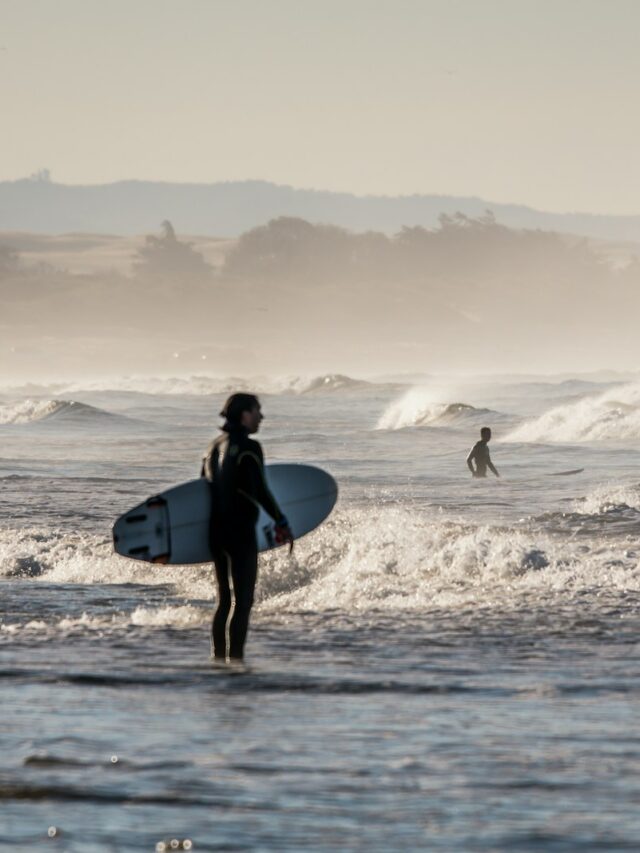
column 235, row 429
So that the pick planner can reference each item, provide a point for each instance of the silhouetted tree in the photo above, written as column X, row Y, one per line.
column 288, row 248
column 165, row 258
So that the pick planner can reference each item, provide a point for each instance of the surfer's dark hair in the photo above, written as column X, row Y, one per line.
column 236, row 405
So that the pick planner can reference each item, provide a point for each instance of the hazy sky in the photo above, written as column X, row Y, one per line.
column 532, row 101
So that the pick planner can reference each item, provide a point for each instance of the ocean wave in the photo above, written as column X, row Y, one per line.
column 34, row 411
column 418, row 408
column 360, row 559
column 199, row 385
column 396, row 558
column 195, row 386
column 612, row 415
column 84, row 558
column 608, row 498
column 609, row 512
column 328, row 383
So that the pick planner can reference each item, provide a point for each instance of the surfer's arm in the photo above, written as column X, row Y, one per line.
column 254, row 484
column 491, row 466
column 252, row 474
column 471, row 457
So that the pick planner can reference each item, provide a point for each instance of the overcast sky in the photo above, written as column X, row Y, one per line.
column 531, row 101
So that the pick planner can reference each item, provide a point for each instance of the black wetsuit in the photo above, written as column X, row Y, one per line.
column 234, row 465
column 480, row 453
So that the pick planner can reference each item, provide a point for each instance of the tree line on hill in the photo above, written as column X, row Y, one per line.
column 466, row 274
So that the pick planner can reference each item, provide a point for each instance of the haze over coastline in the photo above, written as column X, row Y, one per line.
column 469, row 294
column 412, row 186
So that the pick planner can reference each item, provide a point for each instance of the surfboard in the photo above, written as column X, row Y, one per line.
column 173, row 527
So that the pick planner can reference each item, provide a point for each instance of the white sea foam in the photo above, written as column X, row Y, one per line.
column 609, row 497
column 185, row 616
column 83, row 558
column 422, row 406
column 613, row 415
column 399, row 558
column 28, row 411
column 178, row 617
column 384, row 557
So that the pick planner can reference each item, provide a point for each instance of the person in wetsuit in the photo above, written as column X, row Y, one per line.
column 480, row 455
column 234, row 465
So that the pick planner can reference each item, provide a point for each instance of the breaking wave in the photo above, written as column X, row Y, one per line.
column 329, row 383
column 613, row 415
column 395, row 558
column 417, row 408
column 200, row 385
column 361, row 559
column 68, row 411
column 84, row 558
column 610, row 498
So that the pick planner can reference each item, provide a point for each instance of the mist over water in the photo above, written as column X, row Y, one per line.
column 405, row 640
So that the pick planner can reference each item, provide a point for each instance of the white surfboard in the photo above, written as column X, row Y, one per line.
column 173, row 527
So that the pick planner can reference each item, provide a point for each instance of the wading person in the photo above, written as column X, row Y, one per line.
column 234, row 465
column 480, row 455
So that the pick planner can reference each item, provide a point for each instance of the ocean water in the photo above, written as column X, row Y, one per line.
column 446, row 664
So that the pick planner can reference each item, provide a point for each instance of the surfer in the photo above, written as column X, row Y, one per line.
column 234, row 465
column 480, row 454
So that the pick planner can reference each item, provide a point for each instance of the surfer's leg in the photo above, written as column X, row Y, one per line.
column 219, row 625
column 244, row 570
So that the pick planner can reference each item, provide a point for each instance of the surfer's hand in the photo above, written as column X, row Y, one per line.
column 283, row 533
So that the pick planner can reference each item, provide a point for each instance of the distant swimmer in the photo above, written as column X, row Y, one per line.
column 480, row 455
column 234, row 465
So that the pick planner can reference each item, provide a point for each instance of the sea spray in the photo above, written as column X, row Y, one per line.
column 422, row 406
column 613, row 415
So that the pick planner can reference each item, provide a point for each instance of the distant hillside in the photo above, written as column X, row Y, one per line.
column 228, row 209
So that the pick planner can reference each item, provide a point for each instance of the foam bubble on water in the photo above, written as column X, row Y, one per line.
column 613, row 415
